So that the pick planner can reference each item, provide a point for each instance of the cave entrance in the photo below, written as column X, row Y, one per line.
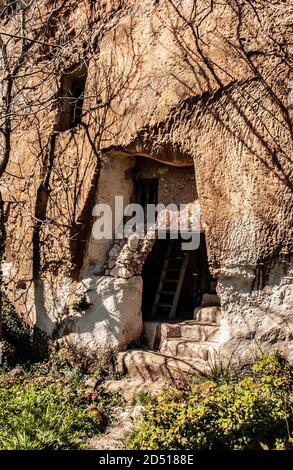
column 175, row 281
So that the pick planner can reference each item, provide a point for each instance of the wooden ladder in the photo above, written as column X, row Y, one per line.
column 177, row 281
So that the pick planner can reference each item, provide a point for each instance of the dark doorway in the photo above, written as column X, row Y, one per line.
column 146, row 192
column 197, row 280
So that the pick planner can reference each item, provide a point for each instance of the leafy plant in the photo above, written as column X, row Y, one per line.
column 51, row 409
column 254, row 413
column 143, row 398
column 81, row 304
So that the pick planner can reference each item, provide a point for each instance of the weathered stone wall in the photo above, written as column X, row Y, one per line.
column 203, row 86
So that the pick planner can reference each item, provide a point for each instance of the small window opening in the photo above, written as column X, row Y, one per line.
column 146, row 192
column 72, row 97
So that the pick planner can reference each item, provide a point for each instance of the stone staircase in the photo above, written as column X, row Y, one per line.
column 175, row 348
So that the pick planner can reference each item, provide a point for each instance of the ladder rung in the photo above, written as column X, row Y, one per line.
column 179, row 277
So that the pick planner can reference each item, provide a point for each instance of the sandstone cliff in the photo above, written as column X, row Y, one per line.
column 183, row 82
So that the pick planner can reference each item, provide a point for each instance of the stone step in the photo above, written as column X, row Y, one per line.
column 180, row 347
column 207, row 314
column 210, row 300
column 170, row 330
column 157, row 331
column 200, row 331
column 190, row 329
column 153, row 366
column 131, row 388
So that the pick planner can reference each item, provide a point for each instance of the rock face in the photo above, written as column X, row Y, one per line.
column 112, row 320
column 203, row 90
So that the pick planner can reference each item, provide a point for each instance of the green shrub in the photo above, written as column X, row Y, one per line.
column 81, row 304
column 254, row 413
column 50, row 411
column 143, row 398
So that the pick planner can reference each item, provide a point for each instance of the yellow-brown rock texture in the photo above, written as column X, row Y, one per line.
column 202, row 86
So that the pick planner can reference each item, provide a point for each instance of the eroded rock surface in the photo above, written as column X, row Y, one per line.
column 202, row 88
